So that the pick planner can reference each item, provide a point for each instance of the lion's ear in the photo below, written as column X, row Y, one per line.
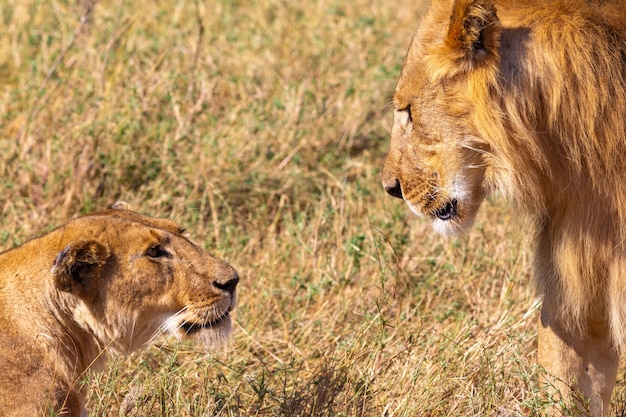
column 474, row 31
column 78, row 266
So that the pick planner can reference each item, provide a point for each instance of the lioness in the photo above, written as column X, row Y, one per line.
column 528, row 97
column 110, row 280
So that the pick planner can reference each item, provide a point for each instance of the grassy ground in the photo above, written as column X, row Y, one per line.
column 261, row 127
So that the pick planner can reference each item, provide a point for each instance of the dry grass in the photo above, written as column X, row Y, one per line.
column 261, row 127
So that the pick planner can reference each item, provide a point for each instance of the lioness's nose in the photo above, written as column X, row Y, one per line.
column 228, row 284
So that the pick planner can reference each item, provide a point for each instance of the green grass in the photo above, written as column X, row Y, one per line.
column 261, row 128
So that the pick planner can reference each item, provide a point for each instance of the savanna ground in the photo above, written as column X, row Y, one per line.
column 261, row 127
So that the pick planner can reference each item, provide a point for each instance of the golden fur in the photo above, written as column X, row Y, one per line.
column 107, row 281
column 528, row 98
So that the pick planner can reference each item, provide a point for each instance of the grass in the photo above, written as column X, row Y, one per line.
column 261, row 127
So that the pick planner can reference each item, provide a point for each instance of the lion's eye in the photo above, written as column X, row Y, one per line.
column 156, row 252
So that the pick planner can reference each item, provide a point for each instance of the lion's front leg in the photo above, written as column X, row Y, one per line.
column 577, row 364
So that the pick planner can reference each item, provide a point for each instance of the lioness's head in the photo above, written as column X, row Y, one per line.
column 126, row 277
column 436, row 161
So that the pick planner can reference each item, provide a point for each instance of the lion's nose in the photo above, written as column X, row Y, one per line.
column 390, row 180
column 394, row 189
column 228, row 284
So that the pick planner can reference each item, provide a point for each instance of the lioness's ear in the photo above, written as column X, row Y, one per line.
column 474, row 31
column 121, row 205
column 78, row 266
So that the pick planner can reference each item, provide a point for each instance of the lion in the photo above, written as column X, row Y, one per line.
column 109, row 281
column 528, row 99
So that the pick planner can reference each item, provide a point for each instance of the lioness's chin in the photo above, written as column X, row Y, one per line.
column 191, row 327
column 208, row 333
column 211, row 335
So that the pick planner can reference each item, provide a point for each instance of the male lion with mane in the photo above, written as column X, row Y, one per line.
column 528, row 97
column 111, row 280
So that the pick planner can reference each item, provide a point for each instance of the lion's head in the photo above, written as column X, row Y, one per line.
column 127, row 277
column 436, row 160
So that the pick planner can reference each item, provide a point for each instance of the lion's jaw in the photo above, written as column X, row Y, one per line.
column 455, row 212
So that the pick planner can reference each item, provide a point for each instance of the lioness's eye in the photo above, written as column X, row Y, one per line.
column 156, row 252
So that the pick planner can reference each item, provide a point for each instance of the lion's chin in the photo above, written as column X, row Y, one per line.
column 449, row 228
column 451, row 219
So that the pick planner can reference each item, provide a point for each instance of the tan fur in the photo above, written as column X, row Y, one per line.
column 528, row 98
column 107, row 281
